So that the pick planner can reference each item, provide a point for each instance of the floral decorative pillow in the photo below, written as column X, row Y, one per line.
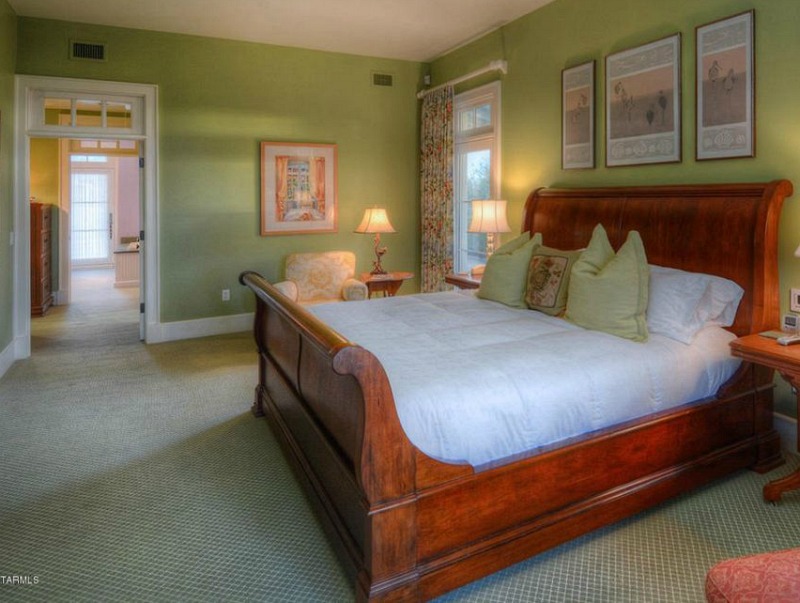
column 548, row 279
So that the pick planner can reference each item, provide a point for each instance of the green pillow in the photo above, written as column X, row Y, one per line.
column 506, row 273
column 607, row 291
column 548, row 279
column 518, row 242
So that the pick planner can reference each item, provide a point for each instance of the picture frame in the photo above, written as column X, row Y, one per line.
column 298, row 188
column 577, row 117
column 643, row 104
column 725, row 88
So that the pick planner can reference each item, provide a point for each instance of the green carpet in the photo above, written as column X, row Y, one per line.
column 136, row 473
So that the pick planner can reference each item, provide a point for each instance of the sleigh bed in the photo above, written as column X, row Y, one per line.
column 410, row 527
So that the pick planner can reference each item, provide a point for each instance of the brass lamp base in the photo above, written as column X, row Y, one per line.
column 379, row 251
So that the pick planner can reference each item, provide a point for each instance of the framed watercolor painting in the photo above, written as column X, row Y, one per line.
column 577, row 117
column 298, row 188
column 643, row 104
column 726, row 88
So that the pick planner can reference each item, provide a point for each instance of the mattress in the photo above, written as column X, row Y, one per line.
column 477, row 382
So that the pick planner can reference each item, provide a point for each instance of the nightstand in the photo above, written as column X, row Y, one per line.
column 786, row 360
column 388, row 283
column 463, row 280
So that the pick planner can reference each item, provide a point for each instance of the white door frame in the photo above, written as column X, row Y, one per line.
column 26, row 87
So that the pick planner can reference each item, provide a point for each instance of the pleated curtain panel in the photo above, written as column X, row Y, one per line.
column 436, row 178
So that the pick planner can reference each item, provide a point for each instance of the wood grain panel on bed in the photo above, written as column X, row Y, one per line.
column 409, row 527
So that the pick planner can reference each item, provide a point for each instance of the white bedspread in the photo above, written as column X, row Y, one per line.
column 476, row 381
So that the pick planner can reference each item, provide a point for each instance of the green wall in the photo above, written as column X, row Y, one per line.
column 8, row 45
column 569, row 32
column 45, row 186
column 217, row 100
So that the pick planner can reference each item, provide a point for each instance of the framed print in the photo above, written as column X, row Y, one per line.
column 726, row 88
column 298, row 188
column 643, row 104
column 577, row 117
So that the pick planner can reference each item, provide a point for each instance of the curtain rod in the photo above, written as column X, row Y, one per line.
column 498, row 65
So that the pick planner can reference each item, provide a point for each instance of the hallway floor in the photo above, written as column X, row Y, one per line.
column 95, row 303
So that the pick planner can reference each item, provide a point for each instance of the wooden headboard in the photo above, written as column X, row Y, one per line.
column 730, row 230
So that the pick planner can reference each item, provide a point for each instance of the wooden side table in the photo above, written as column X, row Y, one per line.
column 388, row 283
column 463, row 280
column 786, row 360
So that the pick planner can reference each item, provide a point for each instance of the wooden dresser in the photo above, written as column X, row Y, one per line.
column 41, row 254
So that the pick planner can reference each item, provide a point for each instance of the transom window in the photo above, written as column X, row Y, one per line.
column 68, row 112
column 88, row 159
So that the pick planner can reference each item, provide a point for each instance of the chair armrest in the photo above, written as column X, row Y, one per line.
column 354, row 290
column 288, row 288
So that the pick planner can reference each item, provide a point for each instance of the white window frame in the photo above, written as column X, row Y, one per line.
column 37, row 125
column 487, row 137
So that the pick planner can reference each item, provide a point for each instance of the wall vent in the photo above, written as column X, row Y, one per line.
column 382, row 79
column 87, row 51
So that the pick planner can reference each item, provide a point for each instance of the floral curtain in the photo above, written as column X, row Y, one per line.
column 436, row 178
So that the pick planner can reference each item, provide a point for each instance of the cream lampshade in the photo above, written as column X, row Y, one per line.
column 375, row 221
column 489, row 216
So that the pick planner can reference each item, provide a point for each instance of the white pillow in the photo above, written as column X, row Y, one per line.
column 683, row 303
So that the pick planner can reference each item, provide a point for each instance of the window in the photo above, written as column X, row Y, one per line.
column 476, row 167
column 88, row 158
column 87, row 113
column 91, row 217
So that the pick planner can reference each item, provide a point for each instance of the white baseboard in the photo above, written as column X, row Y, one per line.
column 6, row 359
column 202, row 327
column 787, row 427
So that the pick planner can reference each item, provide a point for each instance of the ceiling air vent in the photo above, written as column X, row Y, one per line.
column 87, row 51
column 382, row 79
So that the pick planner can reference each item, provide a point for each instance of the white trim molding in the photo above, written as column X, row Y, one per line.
column 201, row 327
column 29, row 90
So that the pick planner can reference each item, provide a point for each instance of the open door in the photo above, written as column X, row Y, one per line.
column 142, row 244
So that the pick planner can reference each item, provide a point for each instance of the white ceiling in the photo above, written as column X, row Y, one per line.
column 414, row 30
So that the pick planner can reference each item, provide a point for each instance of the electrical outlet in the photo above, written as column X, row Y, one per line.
column 794, row 300
column 226, row 295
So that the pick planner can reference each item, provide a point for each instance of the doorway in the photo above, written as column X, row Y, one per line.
column 92, row 188
column 79, row 110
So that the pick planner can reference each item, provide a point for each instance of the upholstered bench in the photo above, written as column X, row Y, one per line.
column 765, row 578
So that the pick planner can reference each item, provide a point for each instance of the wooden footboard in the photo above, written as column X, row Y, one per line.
column 330, row 403
column 409, row 527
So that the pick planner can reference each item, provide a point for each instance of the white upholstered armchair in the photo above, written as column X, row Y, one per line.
column 321, row 277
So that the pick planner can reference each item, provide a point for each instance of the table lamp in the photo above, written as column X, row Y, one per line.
column 375, row 221
column 489, row 216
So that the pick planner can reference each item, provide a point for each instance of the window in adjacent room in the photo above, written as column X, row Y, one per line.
column 476, row 167
column 91, row 216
